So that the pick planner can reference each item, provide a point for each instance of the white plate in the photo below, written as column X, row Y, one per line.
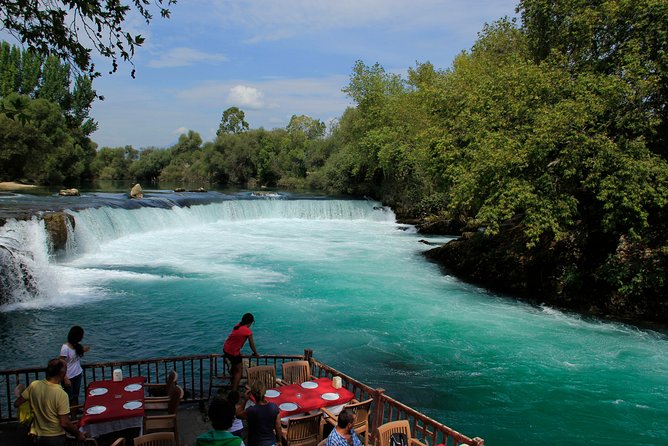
column 132, row 405
column 132, row 387
column 94, row 410
column 309, row 385
column 330, row 396
column 287, row 407
column 271, row 393
column 98, row 391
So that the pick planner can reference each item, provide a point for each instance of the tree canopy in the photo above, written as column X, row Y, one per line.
column 73, row 29
column 233, row 121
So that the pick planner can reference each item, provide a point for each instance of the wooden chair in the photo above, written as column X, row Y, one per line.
column 156, row 439
column 385, row 431
column 303, row 431
column 296, row 372
column 166, row 422
column 165, row 404
column 164, row 389
column 264, row 373
column 361, row 410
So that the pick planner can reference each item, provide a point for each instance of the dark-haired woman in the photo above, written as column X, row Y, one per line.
column 233, row 344
column 71, row 352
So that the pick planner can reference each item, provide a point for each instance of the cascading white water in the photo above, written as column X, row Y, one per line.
column 25, row 271
column 30, row 273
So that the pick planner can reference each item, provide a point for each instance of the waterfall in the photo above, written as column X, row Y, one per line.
column 24, row 260
column 28, row 265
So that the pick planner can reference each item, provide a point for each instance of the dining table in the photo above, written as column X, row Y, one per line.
column 294, row 400
column 112, row 406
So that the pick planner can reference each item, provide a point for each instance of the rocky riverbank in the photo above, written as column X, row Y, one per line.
column 571, row 274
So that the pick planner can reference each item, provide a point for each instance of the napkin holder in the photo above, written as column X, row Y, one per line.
column 336, row 382
column 117, row 375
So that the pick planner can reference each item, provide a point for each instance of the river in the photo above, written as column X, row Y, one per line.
column 343, row 278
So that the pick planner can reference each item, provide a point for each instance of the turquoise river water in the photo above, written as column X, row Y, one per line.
column 343, row 278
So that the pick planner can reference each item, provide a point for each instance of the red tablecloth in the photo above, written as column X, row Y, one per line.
column 113, row 400
column 308, row 400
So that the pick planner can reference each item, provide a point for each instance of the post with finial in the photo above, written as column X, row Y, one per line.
column 378, row 410
column 308, row 354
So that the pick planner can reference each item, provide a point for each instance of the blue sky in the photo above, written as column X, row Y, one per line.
column 272, row 59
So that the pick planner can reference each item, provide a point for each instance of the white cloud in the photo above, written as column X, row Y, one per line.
column 183, row 57
column 181, row 130
column 244, row 96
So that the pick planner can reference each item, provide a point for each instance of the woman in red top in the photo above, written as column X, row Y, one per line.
column 235, row 341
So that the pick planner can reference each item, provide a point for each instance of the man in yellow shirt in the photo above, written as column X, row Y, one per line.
column 50, row 406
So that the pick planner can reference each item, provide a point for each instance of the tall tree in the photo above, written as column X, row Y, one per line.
column 233, row 121
column 312, row 128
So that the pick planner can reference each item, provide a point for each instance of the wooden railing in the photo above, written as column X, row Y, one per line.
column 385, row 409
column 199, row 375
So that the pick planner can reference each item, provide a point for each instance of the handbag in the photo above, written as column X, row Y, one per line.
column 26, row 415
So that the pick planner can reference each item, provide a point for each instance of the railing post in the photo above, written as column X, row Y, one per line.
column 377, row 412
column 308, row 354
column 479, row 441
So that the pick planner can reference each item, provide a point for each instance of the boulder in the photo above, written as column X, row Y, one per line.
column 56, row 226
column 69, row 192
column 136, row 192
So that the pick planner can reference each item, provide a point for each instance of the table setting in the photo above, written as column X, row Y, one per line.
column 113, row 406
column 308, row 397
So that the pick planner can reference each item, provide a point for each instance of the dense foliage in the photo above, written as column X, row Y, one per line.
column 44, row 120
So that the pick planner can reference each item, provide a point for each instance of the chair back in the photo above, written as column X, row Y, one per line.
column 296, row 372
column 172, row 377
column 385, row 431
column 304, row 431
column 264, row 373
column 361, row 411
column 156, row 439
column 175, row 397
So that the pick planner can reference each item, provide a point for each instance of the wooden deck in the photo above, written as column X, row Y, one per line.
column 202, row 376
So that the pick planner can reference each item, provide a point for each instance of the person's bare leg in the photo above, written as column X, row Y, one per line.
column 236, row 375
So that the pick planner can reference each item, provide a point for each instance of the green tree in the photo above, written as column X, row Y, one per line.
column 114, row 163
column 621, row 38
column 150, row 164
column 55, row 85
column 312, row 128
column 233, row 121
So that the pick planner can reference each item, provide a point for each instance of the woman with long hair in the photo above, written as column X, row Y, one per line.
column 72, row 351
column 233, row 344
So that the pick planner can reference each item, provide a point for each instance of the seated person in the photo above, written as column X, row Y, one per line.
column 264, row 422
column 221, row 414
column 237, row 425
column 344, row 434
